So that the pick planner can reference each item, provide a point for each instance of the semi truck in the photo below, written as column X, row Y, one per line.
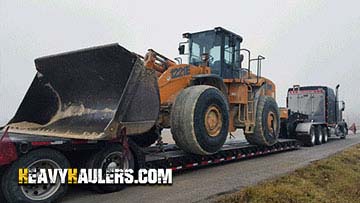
column 312, row 114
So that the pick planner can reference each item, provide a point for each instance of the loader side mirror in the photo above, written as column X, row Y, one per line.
column 342, row 108
column 181, row 49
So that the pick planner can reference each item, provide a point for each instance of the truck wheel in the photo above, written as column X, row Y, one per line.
column 341, row 131
column 200, row 120
column 267, row 123
column 343, row 136
column 319, row 135
column 108, row 159
column 310, row 138
column 146, row 139
column 345, row 132
column 41, row 158
column 325, row 134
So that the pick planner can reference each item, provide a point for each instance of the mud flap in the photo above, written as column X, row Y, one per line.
column 89, row 94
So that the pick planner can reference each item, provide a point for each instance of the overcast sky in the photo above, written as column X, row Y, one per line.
column 305, row 42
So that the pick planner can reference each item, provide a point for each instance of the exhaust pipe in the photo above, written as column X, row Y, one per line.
column 337, row 102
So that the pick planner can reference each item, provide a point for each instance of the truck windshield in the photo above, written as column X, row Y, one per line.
column 206, row 42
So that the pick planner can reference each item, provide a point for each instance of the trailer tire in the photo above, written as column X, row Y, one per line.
column 325, row 134
column 200, row 119
column 13, row 192
column 311, row 137
column 2, row 198
column 319, row 135
column 100, row 160
column 267, row 123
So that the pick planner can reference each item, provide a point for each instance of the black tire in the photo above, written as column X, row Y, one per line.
column 346, row 131
column 310, row 138
column 2, row 198
column 319, row 135
column 146, row 139
column 341, row 131
column 188, row 127
column 97, row 161
column 343, row 137
column 13, row 192
column 325, row 134
column 265, row 133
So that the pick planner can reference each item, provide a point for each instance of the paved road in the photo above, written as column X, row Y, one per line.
column 206, row 184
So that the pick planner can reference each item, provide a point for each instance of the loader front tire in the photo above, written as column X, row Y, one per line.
column 267, row 123
column 200, row 120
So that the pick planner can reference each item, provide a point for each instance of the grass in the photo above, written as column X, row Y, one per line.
column 334, row 179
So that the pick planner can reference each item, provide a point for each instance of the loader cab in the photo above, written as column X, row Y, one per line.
column 219, row 47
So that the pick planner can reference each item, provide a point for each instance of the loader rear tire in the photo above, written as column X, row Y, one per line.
column 200, row 120
column 267, row 123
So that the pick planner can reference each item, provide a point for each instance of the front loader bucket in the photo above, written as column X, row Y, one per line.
column 89, row 94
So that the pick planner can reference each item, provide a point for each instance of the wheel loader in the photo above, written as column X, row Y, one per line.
column 101, row 92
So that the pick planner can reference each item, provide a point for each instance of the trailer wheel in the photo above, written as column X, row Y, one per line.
column 310, row 138
column 2, row 198
column 319, row 135
column 200, row 119
column 41, row 158
column 325, row 134
column 110, row 158
column 267, row 123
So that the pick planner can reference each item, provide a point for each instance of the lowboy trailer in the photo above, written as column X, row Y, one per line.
column 21, row 151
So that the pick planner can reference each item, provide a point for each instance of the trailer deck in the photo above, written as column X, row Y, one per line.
column 166, row 156
column 176, row 159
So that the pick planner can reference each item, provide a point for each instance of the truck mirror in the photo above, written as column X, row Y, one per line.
column 181, row 49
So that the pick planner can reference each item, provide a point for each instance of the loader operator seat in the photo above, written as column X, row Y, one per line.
column 216, row 67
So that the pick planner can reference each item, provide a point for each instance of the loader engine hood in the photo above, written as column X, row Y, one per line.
column 89, row 94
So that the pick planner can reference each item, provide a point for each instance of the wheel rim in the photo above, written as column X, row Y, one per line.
column 113, row 161
column 271, row 123
column 312, row 137
column 325, row 137
column 213, row 121
column 44, row 191
column 320, row 136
